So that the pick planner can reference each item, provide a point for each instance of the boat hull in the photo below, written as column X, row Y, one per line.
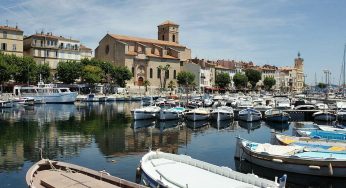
column 325, row 117
column 278, row 118
column 249, row 117
column 54, row 97
column 196, row 116
column 138, row 115
column 169, row 115
column 220, row 116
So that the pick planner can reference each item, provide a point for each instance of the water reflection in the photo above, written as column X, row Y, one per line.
column 278, row 126
column 249, row 126
column 220, row 125
column 198, row 125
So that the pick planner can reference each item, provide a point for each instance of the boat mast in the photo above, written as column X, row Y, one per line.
column 343, row 72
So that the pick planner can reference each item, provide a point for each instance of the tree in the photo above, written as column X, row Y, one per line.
column 240, row 80
column 253, row 76
column 43, row 70
column 165, row 71
column 321, row 85
column 121, row 74
column 92, row 74
column 269, row 82
column 222, row 80
column 69, row 71
column 186, row 79
column 24, row 68
column 146, row 83
column 171, row 85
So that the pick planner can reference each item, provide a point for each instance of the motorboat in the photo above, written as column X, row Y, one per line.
column 171, row 113
column 92, row 97
column 292, row 158
column 24, row 101
column 318, row 134
column 249, row 114
column 276, row 115
column 244, row 102
column 324, row 116
column 50, row 174
column 341, row 115
column 321, row 106
column 159, row 169
column 49, row 93
column 282, row 102
column 148, row 112
column 197, row 114
column 305, row 107
column 6, row 104
column 222, row 113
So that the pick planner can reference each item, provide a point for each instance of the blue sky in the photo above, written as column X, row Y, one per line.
column 265, row 32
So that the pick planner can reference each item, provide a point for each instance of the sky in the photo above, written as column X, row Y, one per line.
column 262, row 31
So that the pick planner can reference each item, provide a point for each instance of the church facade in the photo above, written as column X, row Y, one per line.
column 146, row 57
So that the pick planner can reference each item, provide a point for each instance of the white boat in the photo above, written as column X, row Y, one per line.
column 222, row 113
column 249, row 114
column 53, row 174
column 305, row 107
column 148, row 112
column 276, row 115
column 49, row 93
column 171, row 113
column 197, row 114
column 282, row 102
column 244, row 102
column 92, row 97
column 26, row 101
column 321, row 106
column 324, row 116
column 295, row 159
column 330, row 128
column 161, row 169
column 6, row 104
column 341, row 115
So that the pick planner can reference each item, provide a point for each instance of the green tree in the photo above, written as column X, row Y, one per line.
column 92, row 74
column 165, row 71
column 5, row 70
column 186, row 79
column 24, row 68
column 43, row 70
column 321, row 85
column 171, row 85
column 253, row 76
column 240, row 80
column 269, row 82
column 120, row 75
column 69, row 71
column 146, row 83
column 222, row 80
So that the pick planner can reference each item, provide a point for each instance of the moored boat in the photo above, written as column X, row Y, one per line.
column 161, row 169
column 171, row 113
column 341, row 115
column 6, row 104
column 148, row 112
column 276, row 115
column 222, row 113
column 249, row 114
column 292, row 158
column 197, row 114
column 324, row 116
column 318, row 134
column 50, row 174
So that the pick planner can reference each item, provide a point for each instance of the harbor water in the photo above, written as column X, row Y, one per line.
column 102, row 136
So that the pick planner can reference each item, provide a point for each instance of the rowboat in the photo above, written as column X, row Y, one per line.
column 249, row 114
column 171, row 113
column 292, row 158
column 276, row 115
column 148, row 112
column 197, row 114
column 161, row 169
column 222, row 113
column 50, row 174
column 318, row 134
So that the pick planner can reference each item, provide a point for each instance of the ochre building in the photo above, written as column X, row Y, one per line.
column 11, row 40
column 143, row 56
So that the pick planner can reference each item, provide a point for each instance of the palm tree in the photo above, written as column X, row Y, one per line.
column 146, row 83
column 164, row 70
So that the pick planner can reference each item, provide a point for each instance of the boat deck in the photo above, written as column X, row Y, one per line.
column 57, row 178
column 185, row 175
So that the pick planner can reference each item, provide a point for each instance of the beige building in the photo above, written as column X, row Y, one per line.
column 299, row 67
column 11, row 40
column 85, row 52
column 143, row 56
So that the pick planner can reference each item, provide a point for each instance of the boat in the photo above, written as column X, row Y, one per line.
column 159, row 169
column 49, row 93
column 244, row 103
column 305, row 107
column 197, row 114
column 293, row 158
column 276, row 115
column 324, row 116
column 148, row 112
column 249, row 114
column 25, row 101
column 341, row 115
column 318, row 134
column 331, row 128
column 92, row 97
column 6, row 104
column 222, row 113
column 282, row 102
column 50, row 174
column 321, row 106
column 171, row 113
column 310, row 143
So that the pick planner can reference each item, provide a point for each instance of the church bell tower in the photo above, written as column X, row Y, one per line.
column 168, row 31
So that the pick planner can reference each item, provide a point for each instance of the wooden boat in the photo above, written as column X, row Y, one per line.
column 197, row 114
column 161, row 169
column 318, row 134
column 310, row 143
column 51, row 174
column 249, row 114
column 276, row 115
column 292, row 158
column 222, row 113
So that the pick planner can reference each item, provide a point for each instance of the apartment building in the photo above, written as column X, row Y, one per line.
column 11, row 40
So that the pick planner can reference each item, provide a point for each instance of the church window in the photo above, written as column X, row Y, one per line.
column 158, row 73
column 173, row 38
column 175, row 74
column 151, row 73
column 133, row 71
column 163, row 37
column 107, row 49
column 167, row 74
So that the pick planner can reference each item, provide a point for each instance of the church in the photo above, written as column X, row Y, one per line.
column 144, row 56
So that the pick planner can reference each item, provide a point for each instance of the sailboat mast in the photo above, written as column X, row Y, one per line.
column 343, row 70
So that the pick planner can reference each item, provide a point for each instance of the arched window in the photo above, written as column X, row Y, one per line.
column 173, row 38
column 151, row 72
column 158, row 73
column 175, row 74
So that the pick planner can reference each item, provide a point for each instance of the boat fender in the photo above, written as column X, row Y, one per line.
column 277, row 160
column 314, row 167
column 330, row 169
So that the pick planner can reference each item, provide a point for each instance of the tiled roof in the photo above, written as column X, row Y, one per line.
column 144, row 40
column 82, row 47
column 168, row 22
column 50, row 35
column 10, row 28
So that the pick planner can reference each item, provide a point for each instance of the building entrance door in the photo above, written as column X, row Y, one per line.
column 140, row 81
